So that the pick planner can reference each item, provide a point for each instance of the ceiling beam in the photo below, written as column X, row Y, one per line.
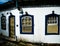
column 30, row 3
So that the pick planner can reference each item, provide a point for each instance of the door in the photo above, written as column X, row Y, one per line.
column 12, row 26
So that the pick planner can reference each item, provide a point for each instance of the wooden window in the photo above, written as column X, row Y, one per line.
column 26, row 24
column 52, row 24
column 3, row 22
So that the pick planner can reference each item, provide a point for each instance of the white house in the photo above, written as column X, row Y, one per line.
column 39, row 25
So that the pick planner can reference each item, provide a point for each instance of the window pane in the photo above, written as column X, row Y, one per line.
column 52, row 29
column 52, row 20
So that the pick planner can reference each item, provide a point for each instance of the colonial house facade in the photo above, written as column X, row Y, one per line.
column 39, row 24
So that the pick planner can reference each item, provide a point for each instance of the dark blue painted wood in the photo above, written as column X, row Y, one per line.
column 32, row 24
column 46, row 18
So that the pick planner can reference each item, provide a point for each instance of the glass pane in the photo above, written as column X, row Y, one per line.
column 52, row 29
column 52, row 25
column 27, row 24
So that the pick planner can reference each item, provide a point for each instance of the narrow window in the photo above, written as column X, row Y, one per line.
column 3, row 22
column 11, row 25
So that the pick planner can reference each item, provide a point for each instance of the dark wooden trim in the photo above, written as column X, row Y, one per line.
column 32, row 3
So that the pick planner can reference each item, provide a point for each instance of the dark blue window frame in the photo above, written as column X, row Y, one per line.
column 46, row 18
column 10, row 26
column 3, row 22
column 32, row 25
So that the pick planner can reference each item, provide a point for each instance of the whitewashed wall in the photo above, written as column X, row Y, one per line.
column 5, row 32
column 39, row 24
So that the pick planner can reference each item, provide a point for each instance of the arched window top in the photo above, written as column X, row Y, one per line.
column 53, row 14
column 11, row 15
column 3, row 15
column 26, row 15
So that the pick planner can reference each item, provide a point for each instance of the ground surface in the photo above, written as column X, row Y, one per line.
column 5, row 42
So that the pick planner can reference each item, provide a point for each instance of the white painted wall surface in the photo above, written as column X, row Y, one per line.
column 39, row 25
column 5, row 32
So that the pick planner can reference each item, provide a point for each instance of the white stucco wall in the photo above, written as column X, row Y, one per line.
column 39, row 25
column 5, row 32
